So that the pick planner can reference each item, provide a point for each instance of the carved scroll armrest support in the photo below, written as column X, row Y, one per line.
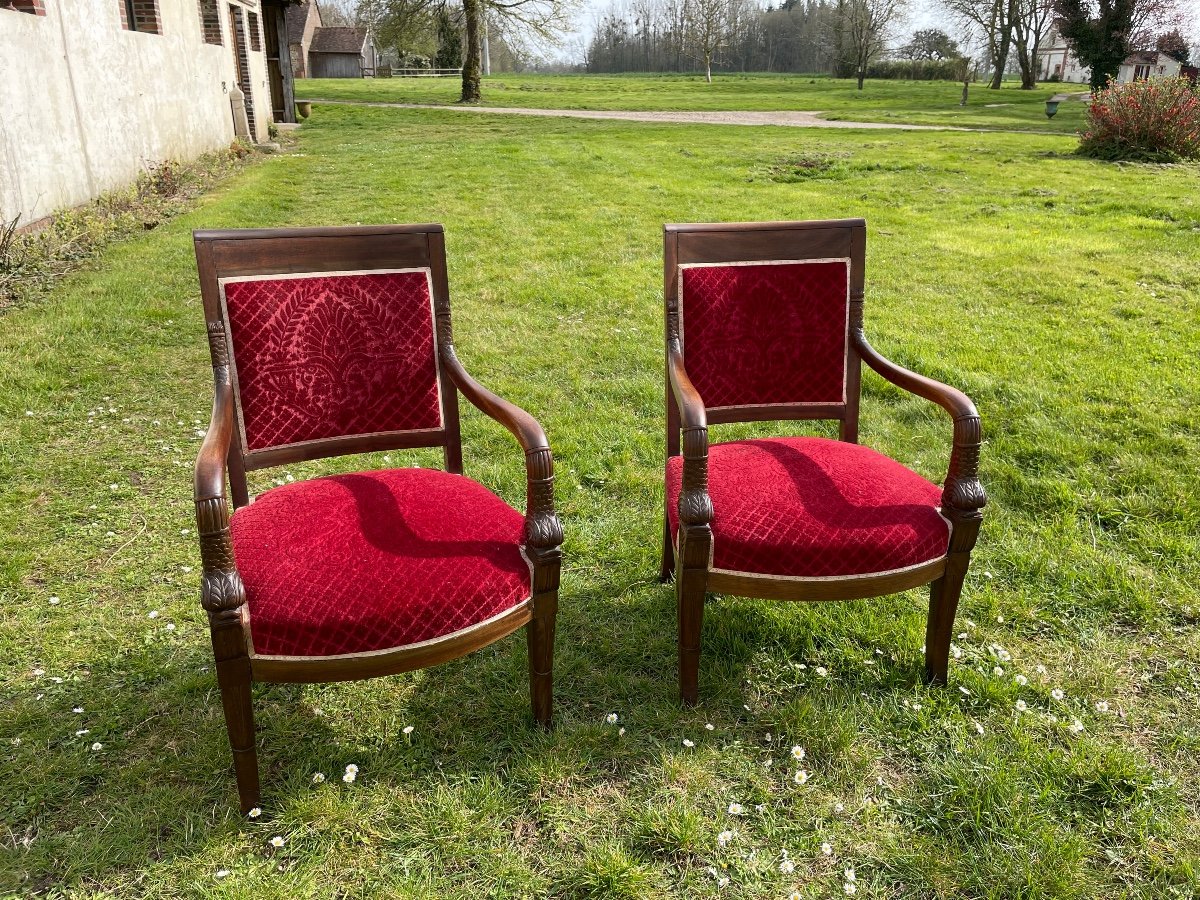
column 963, row 496
column 695, row 505
column 221, row 588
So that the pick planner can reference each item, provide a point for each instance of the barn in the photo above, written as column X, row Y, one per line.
column 342, row 51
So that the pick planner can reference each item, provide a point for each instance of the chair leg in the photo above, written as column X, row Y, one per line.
column 690, row 586
column 943, row 603
column 233, row 676
column 668, row 553
column 540, row 637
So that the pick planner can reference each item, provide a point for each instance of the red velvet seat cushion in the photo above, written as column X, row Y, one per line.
column 376, row 560
column 766, row 333
column 815, row 508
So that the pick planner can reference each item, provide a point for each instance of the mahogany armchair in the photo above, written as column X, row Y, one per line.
column 764, row 322
column 329, row 341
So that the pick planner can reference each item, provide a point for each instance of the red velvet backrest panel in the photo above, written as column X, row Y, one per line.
column 332, row 354
column 765, row 333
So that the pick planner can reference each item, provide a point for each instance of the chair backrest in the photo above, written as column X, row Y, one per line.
column 334, row 339
column 763, row 312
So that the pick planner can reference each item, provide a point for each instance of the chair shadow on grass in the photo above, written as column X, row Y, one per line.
column 162, row 787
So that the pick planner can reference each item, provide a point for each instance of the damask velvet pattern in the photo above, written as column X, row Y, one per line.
column 332, row 355
column 376, row 560
column 814, row 507
column 765, row 332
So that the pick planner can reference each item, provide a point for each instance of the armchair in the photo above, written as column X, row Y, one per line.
column 764, row 322
column 330, row 341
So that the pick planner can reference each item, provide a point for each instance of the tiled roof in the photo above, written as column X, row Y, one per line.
column 296, row 17
column 338, row 39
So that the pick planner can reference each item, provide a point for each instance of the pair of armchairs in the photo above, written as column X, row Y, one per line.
column 337, row 340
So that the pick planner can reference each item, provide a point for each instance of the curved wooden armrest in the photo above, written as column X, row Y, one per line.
column 962, row 492
column 221, row 588
column 695, row 505
column 543, row 531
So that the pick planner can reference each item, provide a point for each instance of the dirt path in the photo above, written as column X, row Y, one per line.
column 786, row 118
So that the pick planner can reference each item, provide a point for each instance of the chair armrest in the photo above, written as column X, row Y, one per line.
column 962, row 492
column 695, row 505
column 221, row 587
column 543, row 530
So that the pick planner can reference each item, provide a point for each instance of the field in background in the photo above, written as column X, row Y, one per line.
column 907, row 102
column 1060, row 293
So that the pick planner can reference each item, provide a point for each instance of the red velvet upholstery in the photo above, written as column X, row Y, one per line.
column 376, row 560
column 759, row 333
column 814, row 508
column 331, row 355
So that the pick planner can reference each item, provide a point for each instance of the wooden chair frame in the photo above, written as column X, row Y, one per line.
column 963, row 496
column 222, row 254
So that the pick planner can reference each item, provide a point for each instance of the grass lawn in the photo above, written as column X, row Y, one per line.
column 916, row 103
column 1060, row 293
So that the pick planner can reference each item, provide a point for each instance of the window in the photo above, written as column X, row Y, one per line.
column 255, row 34
column 210, row 22
column 33, row 7
column 140, row 15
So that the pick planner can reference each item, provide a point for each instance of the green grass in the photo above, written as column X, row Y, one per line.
column 907, row 102
column 1061, row 293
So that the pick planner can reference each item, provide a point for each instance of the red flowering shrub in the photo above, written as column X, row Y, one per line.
column 1154, row 120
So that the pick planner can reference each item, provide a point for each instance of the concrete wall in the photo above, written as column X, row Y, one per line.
column 85, row 105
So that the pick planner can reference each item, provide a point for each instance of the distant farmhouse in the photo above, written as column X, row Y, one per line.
column 95, row 91
column 328, row 51
column 1057, row 60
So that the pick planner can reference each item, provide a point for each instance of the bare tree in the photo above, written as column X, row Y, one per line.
column 707, row 24
column 1030, row 27
column 521, row 22
column 866, row 27
column 992, row 22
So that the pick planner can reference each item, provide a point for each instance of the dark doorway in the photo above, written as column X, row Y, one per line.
column 241, row 65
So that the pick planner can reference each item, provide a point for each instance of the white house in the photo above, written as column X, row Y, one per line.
column 1055, row 58
column 95, row 91
column 1148, row 64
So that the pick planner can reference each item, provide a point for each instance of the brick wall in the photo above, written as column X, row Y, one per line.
column 35, row 7
column 140, row 15
column 210, row 22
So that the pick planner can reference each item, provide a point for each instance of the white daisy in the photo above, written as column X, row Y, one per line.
column 822, row 671
column 318, row 778
column 54, row 601
column 222, row 873
column 736, row 809
column 1075, row 727
column 688, row 743
column 352, row 768
column 611, row 718
column 408, row 729
column 827, row 848
column 277, row 842
column 724, row 838
column 849, row 887
column 1021, row 706
column 801, row 776
column 97, row 746
column 797, row 752
column 1102, row 706
column 849, row 873
column 1021, row 680
column 787, row 867
column 255, row 813
column 708, row 726
column 349, row 777
column 1057, row 694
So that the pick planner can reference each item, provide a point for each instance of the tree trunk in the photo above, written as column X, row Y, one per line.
column 473, row 14
column 862, row 75
column 708, row 67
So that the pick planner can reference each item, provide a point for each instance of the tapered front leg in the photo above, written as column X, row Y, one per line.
column 691, row 584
